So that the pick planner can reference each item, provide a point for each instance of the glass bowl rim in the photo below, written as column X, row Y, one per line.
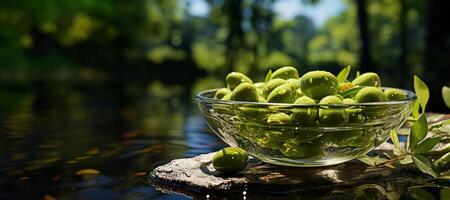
column 201, row 98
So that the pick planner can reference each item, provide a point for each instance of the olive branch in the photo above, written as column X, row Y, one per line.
column 418, row 145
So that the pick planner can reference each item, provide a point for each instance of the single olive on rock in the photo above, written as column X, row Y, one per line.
column 304, row 116
column 234, row 79
column 367, row 79
column 332, row 116
column 287, row 72
column 272, row 84
column 282, row 94
column 230, row 160
column 318, row 84
column 245, row 92
column 220, row 93
column 395, row 95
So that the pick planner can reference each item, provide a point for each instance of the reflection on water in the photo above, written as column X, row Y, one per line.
column 98, row 140
column 92, row 141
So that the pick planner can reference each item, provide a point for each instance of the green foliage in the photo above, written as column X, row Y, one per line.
column 446, row 95
column 417, row 144
column 426, row 145
column 425, row 165
column 422, row 92
column 343, row 74
column 419, row 131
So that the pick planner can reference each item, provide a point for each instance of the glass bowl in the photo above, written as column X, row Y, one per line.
column 303, row 135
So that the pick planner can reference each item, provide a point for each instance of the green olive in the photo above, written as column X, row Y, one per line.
column 220, row 93
column 307, row 136
column 367, row 79
column 285, row 73
column 354, row 114
column 227, row 97
column 234, row 79
column 295, row 82
column 279, row 135
column 282, row 94
column 252, row 114
column 318, row 84
column 298, row 93
column 370, row 94
column 230, row 160
column 332, row 116
column 279, row 119
column 268, row 142
column 272, row 84
column 348, row 101
column 304, row 116
column 245, row 92
column 260, row 85
column 261, row 99
column 352, row 138
column 394, row 95
column 292, row 149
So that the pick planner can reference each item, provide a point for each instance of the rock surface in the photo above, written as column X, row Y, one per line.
column 196, row 177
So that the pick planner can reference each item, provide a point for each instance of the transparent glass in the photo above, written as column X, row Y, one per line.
column 303, row 135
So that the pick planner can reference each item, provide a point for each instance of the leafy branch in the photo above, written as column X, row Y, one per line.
column 417, row 144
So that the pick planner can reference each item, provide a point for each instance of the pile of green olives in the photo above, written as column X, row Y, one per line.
column 278, row 129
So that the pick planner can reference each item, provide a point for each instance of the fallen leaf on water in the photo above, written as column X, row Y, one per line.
column 85, row 172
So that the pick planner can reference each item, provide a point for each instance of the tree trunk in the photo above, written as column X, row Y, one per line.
column 365, row 60
column 437, row 62
column 405, row 75
column 233, row 10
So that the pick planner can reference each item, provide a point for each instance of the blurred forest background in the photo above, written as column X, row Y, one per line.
column 183, row 46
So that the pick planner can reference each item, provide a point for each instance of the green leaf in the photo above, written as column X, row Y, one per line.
column 268, row 76
column 343, row 74
column 420, row 193
column 439, row 125
column 394, row 138
column 350, row 93
column 406, row 160
column 419, row 131
column 446, row 95
column 415, row 109
column 367, row 160
column 425, row 165
column 372, row 161
column 426, row 145
column 422, row 92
